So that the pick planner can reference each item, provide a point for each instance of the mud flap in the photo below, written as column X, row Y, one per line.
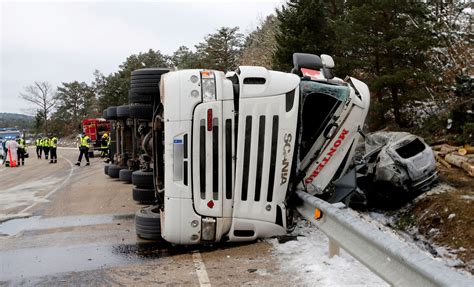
column 344, row 187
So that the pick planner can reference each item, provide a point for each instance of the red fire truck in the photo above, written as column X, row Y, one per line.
column 95, row 129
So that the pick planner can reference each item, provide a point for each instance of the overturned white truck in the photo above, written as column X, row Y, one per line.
column 229, row 149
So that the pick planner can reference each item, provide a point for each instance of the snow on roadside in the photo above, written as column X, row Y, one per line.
column 307, row 259
column 411, row 237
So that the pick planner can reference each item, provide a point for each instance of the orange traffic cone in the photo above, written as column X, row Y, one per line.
column 12, row 161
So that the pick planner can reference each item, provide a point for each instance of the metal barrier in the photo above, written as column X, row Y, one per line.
column 394, row 261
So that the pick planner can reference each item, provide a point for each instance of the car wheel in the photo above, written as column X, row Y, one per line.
column 125, row 175
column 141, row 111
column 147, row 223
column 144, row 195
column 143, row 178
column 114, row 170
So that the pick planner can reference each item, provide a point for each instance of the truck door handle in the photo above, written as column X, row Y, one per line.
column 330, row 130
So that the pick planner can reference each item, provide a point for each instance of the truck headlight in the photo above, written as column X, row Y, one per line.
column 208, row 86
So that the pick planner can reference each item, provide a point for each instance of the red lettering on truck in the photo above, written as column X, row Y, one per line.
column 327, row 158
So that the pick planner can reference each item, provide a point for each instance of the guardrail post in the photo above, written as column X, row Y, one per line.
column 333, row 248
column 395, row 261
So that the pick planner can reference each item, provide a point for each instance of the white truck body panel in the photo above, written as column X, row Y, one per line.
column 227, row 168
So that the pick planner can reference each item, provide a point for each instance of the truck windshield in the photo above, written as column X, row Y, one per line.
column 320, row 101
column 340, row 93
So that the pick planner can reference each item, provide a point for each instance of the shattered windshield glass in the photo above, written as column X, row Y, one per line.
column 340, row 93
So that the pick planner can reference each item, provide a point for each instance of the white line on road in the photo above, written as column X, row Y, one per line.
column 54, row 190
column 201, row 270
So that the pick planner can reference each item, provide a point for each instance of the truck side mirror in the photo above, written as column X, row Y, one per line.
column 328, row 61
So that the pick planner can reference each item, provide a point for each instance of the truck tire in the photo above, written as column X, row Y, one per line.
column 141, row 89
column 106, row 169
column 147, row 223
column 123, row 111
column 111, row 113
column 134, row 98
column 149, row 73
column 114, row 170
column 145, row 85
column 144, row 195
column 140, row 111
column 143, row 178
column 125, row 175
column 104, row 114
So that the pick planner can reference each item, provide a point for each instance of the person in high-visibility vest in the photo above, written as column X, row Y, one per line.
column 84, row 142
column 21, row 151
column 39, row 147
column 54, row 145
column 104, row 145
column 46, row 146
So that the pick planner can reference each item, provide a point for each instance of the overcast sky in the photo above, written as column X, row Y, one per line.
column 60, row 41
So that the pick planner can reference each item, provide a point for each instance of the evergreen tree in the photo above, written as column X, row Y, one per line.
column 113, row 89
column 75, row 101
column 184, row 58
column 387, row 45
column 260, row 45
column 305, row 27
column 221, row 50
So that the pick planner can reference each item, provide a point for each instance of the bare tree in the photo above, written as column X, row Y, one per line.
column 40, row 94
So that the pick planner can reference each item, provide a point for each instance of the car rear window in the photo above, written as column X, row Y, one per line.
column 411, row 149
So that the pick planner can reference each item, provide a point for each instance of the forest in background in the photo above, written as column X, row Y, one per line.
column 417, row 60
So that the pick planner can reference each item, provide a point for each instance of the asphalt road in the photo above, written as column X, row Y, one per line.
column 66, row 225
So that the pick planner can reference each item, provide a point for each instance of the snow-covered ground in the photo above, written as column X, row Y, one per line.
column 307, row 256
column 307, row 259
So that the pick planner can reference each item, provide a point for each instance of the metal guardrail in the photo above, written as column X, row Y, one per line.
column 394, row 261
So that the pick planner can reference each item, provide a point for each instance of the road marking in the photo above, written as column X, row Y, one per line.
column 71, row 170
column 201, row 270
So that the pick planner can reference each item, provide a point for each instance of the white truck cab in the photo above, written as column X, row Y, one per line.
column 237, row 145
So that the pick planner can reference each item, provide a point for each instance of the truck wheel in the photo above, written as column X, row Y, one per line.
column 104, row 114
column 145, row 85
column 142, row 178
column 123, row 111
column 144, row 195
column 147, row 223
column 141, row 111
column 143, row 98
column 114, row 170
column 125, row 175
column 106, row 169
column 111, row 113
